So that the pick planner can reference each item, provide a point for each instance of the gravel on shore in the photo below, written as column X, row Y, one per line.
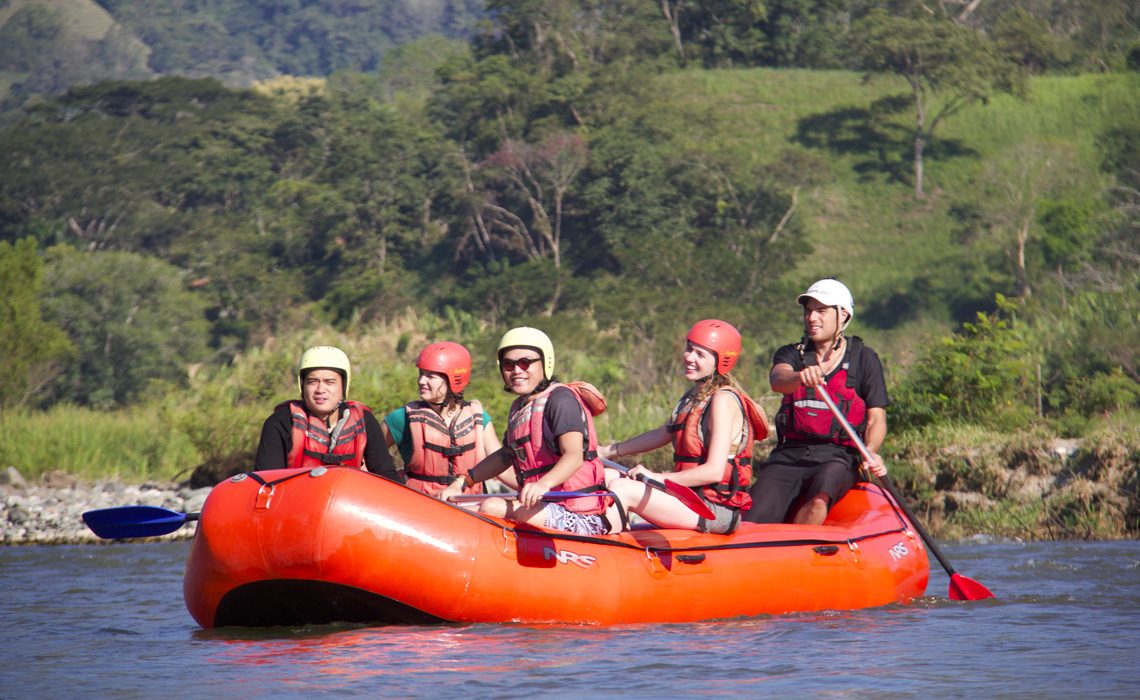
column 50, row 511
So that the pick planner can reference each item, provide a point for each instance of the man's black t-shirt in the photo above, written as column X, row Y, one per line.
column 871, row 386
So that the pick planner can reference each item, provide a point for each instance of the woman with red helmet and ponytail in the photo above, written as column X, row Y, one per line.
column 441, row 435
column 712, row 429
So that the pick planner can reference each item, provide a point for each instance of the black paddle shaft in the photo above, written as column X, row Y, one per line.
column 886, row 481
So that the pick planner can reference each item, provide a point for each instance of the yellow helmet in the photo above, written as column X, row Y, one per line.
column 527, row 337
column 324, row 357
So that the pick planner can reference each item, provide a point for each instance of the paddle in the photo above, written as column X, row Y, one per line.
column 961, row 588
column 126, row 522
column 513, row 495
column 684, row 494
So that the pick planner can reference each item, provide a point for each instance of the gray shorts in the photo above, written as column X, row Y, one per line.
column 724, row 522
column 559, row 518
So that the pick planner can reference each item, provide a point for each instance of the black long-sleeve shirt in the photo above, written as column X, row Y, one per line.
column 277, row 441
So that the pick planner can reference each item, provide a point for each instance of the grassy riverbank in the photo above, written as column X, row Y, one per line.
column 961, row 479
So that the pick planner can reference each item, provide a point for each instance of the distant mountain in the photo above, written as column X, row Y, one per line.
column 48, row 45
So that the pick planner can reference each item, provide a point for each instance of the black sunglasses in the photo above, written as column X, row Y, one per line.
column 523, row 363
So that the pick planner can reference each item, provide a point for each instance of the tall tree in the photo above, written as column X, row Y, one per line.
column 537, row 179
column 1017, row 183
column 725, row 32
column 947, row 66
column 130, row 318
column 32, row 348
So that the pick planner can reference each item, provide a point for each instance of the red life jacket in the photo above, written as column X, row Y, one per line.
column 804, row 417
column 689, row 428
column 442, row 451
column 314, row 445
column 526, row 444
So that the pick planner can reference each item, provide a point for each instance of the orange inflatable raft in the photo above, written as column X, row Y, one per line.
column 291, row 547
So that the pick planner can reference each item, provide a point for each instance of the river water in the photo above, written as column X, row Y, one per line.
column 107, row 621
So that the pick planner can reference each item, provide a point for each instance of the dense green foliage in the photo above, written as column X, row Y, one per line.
column 561, row 170
column 29, row 345
column 48, row 45
column 297, row 37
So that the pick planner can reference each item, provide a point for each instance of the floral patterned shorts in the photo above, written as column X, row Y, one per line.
column 559, row 518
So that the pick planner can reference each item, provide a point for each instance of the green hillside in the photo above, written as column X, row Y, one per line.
column 168, row 246
column 863, row 223
column 47, row 46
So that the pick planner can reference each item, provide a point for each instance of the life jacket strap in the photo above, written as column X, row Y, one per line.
column 433, row 478
column 329, row 458
column 449, row 450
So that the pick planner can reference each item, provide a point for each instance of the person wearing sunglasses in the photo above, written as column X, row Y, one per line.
column 441, row 435
column 550, row 442
column 712, row 429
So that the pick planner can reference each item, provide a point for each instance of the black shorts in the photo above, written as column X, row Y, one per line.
column 797, row 473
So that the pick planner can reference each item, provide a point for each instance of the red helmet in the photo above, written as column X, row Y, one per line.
column 720, row 337
column 449, row 359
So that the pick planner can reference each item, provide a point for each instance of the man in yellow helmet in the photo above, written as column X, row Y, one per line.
column 324, row 428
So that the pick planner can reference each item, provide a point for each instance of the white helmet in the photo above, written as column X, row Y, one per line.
column 324, row 357
column 831, row 292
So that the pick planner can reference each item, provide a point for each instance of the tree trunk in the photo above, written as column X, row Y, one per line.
column 919, row 132
column 1022, row 275
column 919, row 145
column 674, row 20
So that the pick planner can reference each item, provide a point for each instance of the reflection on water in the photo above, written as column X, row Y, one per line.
column 108, row 621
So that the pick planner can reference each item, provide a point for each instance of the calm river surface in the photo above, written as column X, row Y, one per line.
column 108, row 622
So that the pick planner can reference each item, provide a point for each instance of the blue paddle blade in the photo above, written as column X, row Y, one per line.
column 126, row 522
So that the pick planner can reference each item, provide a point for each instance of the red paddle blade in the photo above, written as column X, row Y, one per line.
column 962, row 588
column 689, row 497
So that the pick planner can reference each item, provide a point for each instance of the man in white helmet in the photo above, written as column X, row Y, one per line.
column 815, row 462
column 323, row 428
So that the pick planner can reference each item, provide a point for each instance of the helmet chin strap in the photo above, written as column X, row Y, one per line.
column 342, row 409
column 838, row 330
column 806, row 342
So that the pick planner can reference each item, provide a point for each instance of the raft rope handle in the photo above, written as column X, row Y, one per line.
column 569, row 537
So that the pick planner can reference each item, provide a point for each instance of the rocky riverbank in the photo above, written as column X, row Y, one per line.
column 1026, row 486
column 50, row 510
column 1022, row 486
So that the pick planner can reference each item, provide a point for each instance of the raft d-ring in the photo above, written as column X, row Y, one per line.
column 853, row 546
column 264, row 496
column 238, row 477
column 509, row 545
column 318, row 471
column 653, row 560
